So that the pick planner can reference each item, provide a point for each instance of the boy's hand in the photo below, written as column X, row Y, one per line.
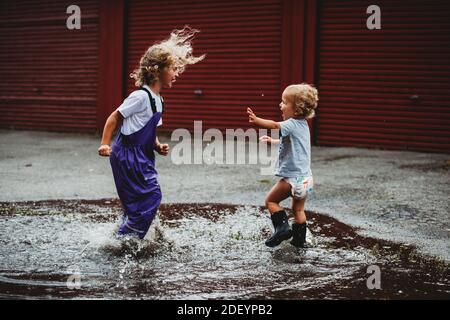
column 251, row 115
column 104, row 150
column 162, row 149
column 267, row 139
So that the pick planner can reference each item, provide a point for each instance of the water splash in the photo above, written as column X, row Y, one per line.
column 196, row 251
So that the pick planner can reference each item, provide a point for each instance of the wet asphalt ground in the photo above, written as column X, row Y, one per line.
column 66, row 249
column 387, row 210
column 393, row 195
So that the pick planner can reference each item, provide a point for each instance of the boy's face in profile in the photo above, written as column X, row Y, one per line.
column 287, row 106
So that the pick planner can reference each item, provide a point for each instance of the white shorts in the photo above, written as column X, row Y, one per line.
column 300, row 186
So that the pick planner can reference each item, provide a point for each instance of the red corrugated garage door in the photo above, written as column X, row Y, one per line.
column 242, row 40
column 387, row 88
column 49, row 73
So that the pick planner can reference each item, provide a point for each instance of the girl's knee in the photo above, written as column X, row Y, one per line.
column 159, row 193
column 157, row 196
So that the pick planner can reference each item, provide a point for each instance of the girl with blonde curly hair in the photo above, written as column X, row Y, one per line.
column 298, row 103
column 132, row 154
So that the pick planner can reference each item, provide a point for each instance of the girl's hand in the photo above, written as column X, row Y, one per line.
column 104, row 150
column 251, row 115
column 162, row 149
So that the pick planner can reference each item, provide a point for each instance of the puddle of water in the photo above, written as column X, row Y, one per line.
column 197, row 251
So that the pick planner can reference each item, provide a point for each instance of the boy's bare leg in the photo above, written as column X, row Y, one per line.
column 298, row 208
column 299, row 228
column 280, row 191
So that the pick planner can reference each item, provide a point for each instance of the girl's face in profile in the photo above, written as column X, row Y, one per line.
column 287, row 106
column 168, row 77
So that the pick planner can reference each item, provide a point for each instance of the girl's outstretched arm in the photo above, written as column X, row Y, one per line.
column 161, row 148
column 112, row 123
column 260, row 122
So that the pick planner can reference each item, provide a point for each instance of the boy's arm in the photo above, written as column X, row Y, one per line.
column 260, row 122
column 267, row 139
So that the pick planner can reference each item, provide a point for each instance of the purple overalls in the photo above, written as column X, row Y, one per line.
column 133, row 166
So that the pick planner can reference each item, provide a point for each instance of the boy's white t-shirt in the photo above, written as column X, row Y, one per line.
column 137, row 111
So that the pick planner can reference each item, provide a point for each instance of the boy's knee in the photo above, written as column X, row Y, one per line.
column 273, row 206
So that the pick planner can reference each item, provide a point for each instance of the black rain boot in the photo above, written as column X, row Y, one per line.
column 282, row 231
column 299, row 235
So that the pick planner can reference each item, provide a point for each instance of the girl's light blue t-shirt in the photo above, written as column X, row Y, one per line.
column 294, row 157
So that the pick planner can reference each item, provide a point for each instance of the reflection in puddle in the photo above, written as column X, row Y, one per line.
column 197, row 251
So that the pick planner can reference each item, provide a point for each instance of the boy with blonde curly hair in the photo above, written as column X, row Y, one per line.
column 132, row 155
column 298, row 103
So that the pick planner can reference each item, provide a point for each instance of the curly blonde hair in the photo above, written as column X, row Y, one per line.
column 305, row 98
column 174, row 52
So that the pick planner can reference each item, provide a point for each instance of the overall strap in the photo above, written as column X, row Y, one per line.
column 152, row 101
